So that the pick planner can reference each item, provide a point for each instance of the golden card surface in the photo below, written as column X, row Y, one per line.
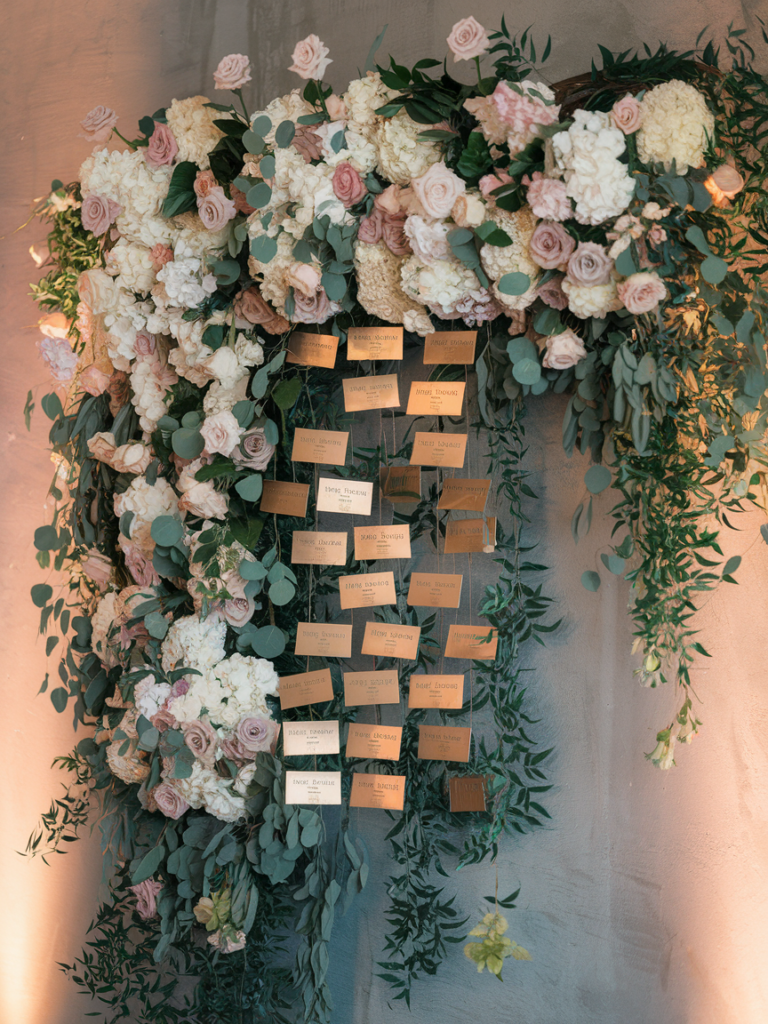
column 307, row 349
column 471, row 642
column 310, row 738
column 352, row 497
column 285, row 498
column 373, row 542
column 371, row 393
column 435, row 590
column 324, row 639
column 328, row 447
column 428, row 691
column 378, row 741
column 375, row 343
column 400, row 483
column 464, row 495
column 470, row 535
column 384, row 791
column 467, row 793
column 367, row 590
column 312, row 787
column 450, row 348
column 433, row 449
column 444, row 743
column 312, row 547
column 436, row 398
column 385, row 640
column 362, row 688
column 304, row 688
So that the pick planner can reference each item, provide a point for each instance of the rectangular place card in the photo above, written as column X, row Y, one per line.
column 434, row 590
column 427, row 691
column 375, row 343
column 310, row 738
column 361, row 688
column 324, row 639
column 465, row 495
column 312, row 349
column 467, row 642
column 312, row 787
column 353, row 497
column 373, row 542
column 306, row 688
column 312, row 547
column 436, row 398
column 328, row 447
column 285, row 498
column 371, row 393
column 470, row 535
column 467, row 793
column 384, row 640
column 400, row 483
column 444, row 742
column 367, row 590
column 432, row 449
column 450, row 348
column 384, row 791
column 378, row 741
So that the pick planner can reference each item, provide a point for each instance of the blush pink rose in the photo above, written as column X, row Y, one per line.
column 468, row 39
column 163, row 148
column 97, row 567
column 438, row 190
column 490, row 182
column 97, row 124
column 310, row 58
column 388, row 201
column 254, row 451
column 238, row 610
column 233, row 749
column 641, row 293
column 204, row 501
column 200, row 738
column 233, row 72
column 163, row 719
column 169, row 801
column 311, row 309
column 551, row 245
column 203, row 183
column 146, row 894
column 547, row 198
column 563, row 350
column 98, row 212
column 221, row 433
column 627, row 114
column 336, row 107
column 93, row 380
column 395, row 238
column 551, row 292
column 257, row 734
column 160, row 255
column 215, row 209
column 348, row 186
column 371, row 227
column 303, row 277
column 590, row 265
column 145, row 344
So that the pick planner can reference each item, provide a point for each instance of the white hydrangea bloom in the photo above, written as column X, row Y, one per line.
column 127, row 179
column 192, row 125
column 197, row 239
column 357, row 150
column 132, row 265
column 193, row 642
column 249, row 352
column 148, row 395
column 402, row 155
column 186, row 281
column 147, row 502
column 285, row 108
column 441, row 283
column 364, row 96
column 149, row 695
column 587, row 155
column 675, row 126
column 205, row 789
column 221, row 399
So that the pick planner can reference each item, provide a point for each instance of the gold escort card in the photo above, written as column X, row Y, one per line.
column 324, row 639
column 400, row 483
column 361, row 688
column 310, row 738
column 312, row 349
column 375, row 343
column 433, row 449
column 372, row 542
column 285, row 498
column 434, row 590
column 367, row 590
column 328, row 447
column 305, row 688
column 427, row 691
column 444, row 743
column 381, row 742
column 433, row 398
column 371, row 393
column 465, row 495
column 446, row 348
column 312, row 547
column 353, row 497
column 470, row 535
column 471, row 642
column 467, row 793
column 384, row 640
column 312, row 787
column 384, row 791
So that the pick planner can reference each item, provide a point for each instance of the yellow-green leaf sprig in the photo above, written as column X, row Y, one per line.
column 495, row 947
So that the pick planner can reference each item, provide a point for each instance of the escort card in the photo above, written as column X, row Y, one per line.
column 427, row 691
column 328, row 447
column 439, row 450
column 311, row 547
column 371, row 393
column 434, row 590
column 324, row 639
column 444, row 743
column 375, row 343
column 432, row 398
column 351, row 496
column 305, row 688
column 384, row 791
column 400, row 483
column 284, row 497
column 312, row 787
column 312, row 349
column 373, row 542
column 468, row 642
column 470, row 535
column 450, row 348
column 370, row 688
column 466, row 495
column 467, row 793
column 310, row 738
column 367, row 590
column 381, row 742
column 384, row 640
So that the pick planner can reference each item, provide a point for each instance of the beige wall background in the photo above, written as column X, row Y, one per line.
column 645, row 903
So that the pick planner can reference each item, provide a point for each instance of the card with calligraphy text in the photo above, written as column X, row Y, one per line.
column 434, row 590
column 400, row 483
column 385, row 640
column 386, row 792
column 371, row 393
column 465, row 536
column 447, row 348
column 433, row 449
column 367, row 590
column 428, row 691
column 284, row 498
column 375, row 343
column 304, row 688
column 381, row 742
column 436, row 398
column 328, row 447
column 444, row 743
column 467, row 793
column 310, row 738
column 313, row 547
column 312, row 787
column 307, row 349
column 372, row 542
column 379, row 687
column 471, row 642
column 352, row 497
column 324, row 640
column 464, row 495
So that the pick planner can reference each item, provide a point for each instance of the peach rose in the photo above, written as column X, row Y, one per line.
column 54, row 325
column 550, row 245
column 303, row 277
column 627, row 114
column 388, row 201
column 468, row 211
column 160, row 255
column 203, row 183
column 336, row 107
column 348, row 186
column 98, row 124
column 163, row 148
column 233, row 72
column 250, row 305
column 98, row 212
column 468, row 39
column 563, row 350
column 310, row 58
column 590, row 265
column 438, row 190
column 724, row 184
column 215, row 209
column 641, row 293
column 221, row 433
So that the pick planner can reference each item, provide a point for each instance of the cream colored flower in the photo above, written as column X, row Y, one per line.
column 676, row 124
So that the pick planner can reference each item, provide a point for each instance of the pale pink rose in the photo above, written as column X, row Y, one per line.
column 98, row 212
column 251, row 306
column 203, row 183
column 550, row 245
column 388, row 201
column 547, row 197
column 723, row 184
column 204, row 501
column 520, row 111
column 93, row 380
column 656, row 234
column 438, row 190
column 590, row 265
column 627, row 114
column 163, row 148
column 169, row 801
column 348, row 186
column 256, row 734
column 238, row 610
column 393, row 233
column 641, row 293
column 145, row 344
column 160, row 255
column 307, row 142
column 146, row 893
column 336, row 107
column 429, row 239
column 310, row 58
column 563, row 350
column 254, row 451
column 221, row 433
column 233, row 72
column 303, row 277
column 490, row 182
column 311, row 309
column 371, row 227
column 55, row 325
column 551, row 292
column 97, row 567
column 468, row 39
column 98, row 124
column 139, row 567
column 102, row 446
column 215, row 209
column 200, row 737
column 131, row 458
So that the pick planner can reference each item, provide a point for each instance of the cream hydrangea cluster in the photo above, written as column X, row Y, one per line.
column 146, row 501
column 363, row 97
column 380, row 291
column 192, row 125
column 403, row 156
column 192, row 642
column 498, row 260
column 587, row 157
column 676, row 125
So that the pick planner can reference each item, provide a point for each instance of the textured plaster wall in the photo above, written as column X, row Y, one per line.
column 645, row 903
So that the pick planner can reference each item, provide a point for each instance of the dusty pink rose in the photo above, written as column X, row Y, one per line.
column 221, row 433
column 388, row 201
column 438, row 190
column 179, row 688
column 310, row 58
column 97, row 567
column 203, row 183
column 200, row 737
column 160, row 255
column 215, row 209
column 551, row 245
column 233, row 72
column 241, row 202
column 145, row 344
column 336, row 107
column 233, row 749
column 93, row 380
column 163, row 719
column 204, row 501
column 251, row 306
column 395, row 238
column 552, row 293
column 146, row 893
column 303, row 277
column 314, row 309
column 256, row 734
column 468, row 39
column 98, row 124
column 590, row 265
column 547, row 198
column 254, row 451
column 490, row 182
column 563, row 350
column 348, row 186
column 370, row 227
column 521, row 111
column 169, row 800
column 627, row 114
column 98, row 212
column 162, row 148
column 641, row 293
column 307, row 142
column 239, row 610
column 656, row 234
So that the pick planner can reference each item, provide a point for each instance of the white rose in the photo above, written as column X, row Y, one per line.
column 438, row 190
column 221, row 433
column 563, row 350
column 131, row 458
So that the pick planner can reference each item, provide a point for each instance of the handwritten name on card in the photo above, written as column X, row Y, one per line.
column 372, row 542
column 447, row 348
column 433, row 449
column 324, row 640
column 371, row 393
column 352, row 497
column 310, row 738
column 444, row 743
column 312, row 547
column 284, row 498
column 375, row 343
column 434, row 590
column 306, row 349
column 464, row 495
column 432, row 398
column 400, row 483
column 383, row 640
column 304, row 688
column 470, row 535
column 435, row 691
column 312, row 787
column 471, row 642
column 383, row 791
column 328, row 447
column 362, row 688
column 367, row 590
column 381, row 742
column 467, row 793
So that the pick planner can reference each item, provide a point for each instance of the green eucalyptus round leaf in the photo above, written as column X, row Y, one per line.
column 263, row 248
column 520, row 348
column 613, row 563
column 713, row 269
column 268, row 642
column 250, row 487
column 41, row 594
column 597, row 478
column 262, row 125
column 540, row 386
column 284, row 134
column 250, row 570
column 514, row 284
column 46, row 538
column 187, row 442
column 281, row 592
column 191, row 420
column 527, row 371
column 267, row 166
column 166, row 531
column 590, row 580
column 259, row 195
column 253, row 142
